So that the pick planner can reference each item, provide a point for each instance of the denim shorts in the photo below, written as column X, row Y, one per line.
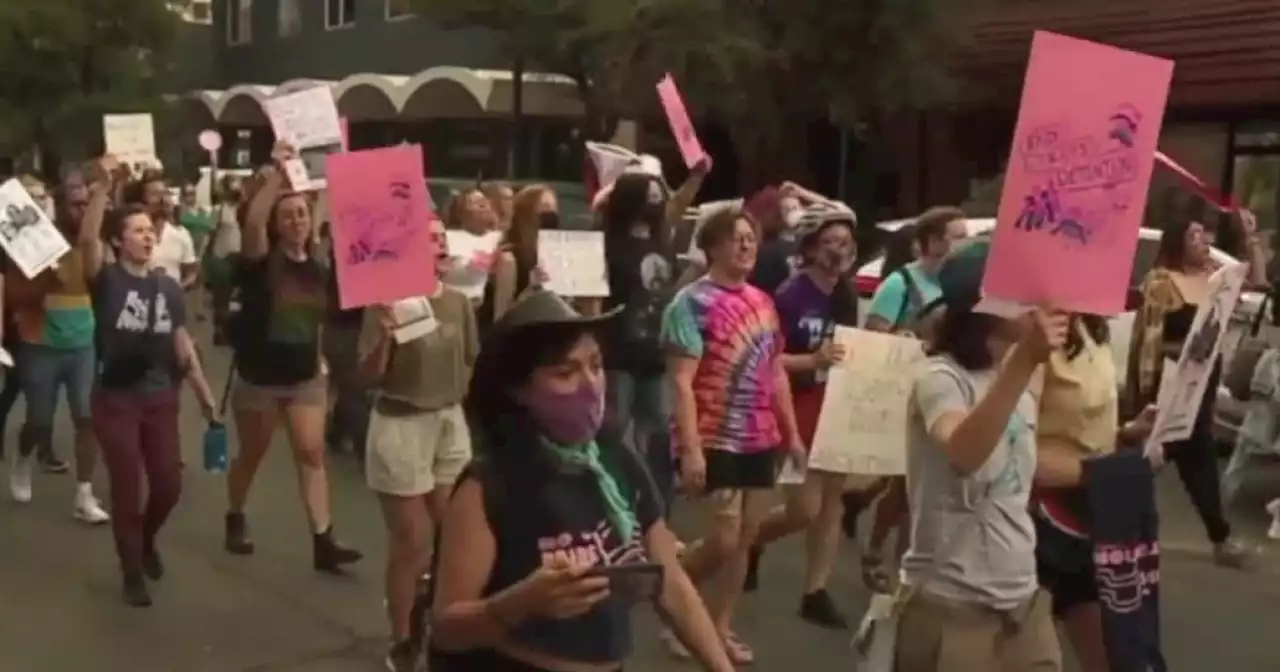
column 45, row 370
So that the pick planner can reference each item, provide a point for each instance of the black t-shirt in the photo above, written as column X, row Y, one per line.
column 282, row 305
column 535, row 519
column 352, row 317
column 775, row 261
column 641, row 279
column 136, row 321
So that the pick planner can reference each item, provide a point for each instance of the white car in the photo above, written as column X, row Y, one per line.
column 868, row 279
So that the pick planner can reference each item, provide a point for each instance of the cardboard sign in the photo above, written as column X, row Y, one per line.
column 308, row 120
column 27, row 234
column 862, row 427
column 131, row 138
column 1182, row 390
column 383, row 247
column 1078, row 174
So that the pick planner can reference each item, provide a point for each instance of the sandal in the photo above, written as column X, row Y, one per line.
column 874, row 575
column 739, row 652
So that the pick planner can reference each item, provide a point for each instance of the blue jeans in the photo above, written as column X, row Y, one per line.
column 639, row 407
column 44, row 371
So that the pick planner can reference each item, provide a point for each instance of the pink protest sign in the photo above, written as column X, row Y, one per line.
column 382, row 245
column 681, row 126
column 1076, row 184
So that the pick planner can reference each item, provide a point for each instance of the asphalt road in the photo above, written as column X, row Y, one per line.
column 60, row 609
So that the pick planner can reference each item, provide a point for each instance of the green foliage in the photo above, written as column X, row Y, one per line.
column 69, row 61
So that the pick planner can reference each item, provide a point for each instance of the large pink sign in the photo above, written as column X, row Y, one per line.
column 383, row 249
column 681, row 125
column 1079, row 169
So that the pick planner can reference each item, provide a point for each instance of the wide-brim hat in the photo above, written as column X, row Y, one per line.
column 545, row 308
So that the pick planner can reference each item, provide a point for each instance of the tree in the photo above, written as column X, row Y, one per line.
column 763, row 68
column 69, row 61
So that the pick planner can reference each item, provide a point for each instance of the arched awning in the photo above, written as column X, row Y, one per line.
column 439, row 92
column 369, row 97
column 242, row 105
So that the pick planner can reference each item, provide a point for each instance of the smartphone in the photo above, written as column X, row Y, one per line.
column 634, row 582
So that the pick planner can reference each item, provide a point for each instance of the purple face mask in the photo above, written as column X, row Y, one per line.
column 568, row 419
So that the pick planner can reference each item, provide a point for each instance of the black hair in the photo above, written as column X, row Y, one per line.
column 135, row 192
column 113, row 223
column 508, row 357
column 1172, row 253
column 963, row 335
column 899, row 251
column 627, row 202
column 1098, row 330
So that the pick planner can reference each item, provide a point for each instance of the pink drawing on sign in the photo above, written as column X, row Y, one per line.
column 681, row 126
column 1076, row 185
column 383, row 247
column 210, row 140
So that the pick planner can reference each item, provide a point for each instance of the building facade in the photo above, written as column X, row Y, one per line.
column 396, row 77
column 1223, row 119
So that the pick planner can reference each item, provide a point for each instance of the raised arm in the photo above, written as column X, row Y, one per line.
column 253, row 230
column 102, row 189
column 682, row 199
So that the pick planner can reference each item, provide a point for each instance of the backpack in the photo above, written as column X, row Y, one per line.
column 909, row 320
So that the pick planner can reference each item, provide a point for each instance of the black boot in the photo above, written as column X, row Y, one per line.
column 152, row 565
column 330, row 555
column 237, row 535
column 135, row 589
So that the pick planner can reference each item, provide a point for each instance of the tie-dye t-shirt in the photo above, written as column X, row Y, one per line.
column 278, row 337
column 735, row 335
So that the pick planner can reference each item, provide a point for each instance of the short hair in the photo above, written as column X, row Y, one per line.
column 136, row 191
column 719, row 228
column 114, row 222
column 932, row 223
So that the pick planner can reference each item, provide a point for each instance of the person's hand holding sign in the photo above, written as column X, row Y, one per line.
column 828, row 355
column 1046, row 331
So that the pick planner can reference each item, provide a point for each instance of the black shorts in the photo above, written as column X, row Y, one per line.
column 741, row 471
column 1065, row 568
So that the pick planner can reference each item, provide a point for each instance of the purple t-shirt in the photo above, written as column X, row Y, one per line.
column 804, row 311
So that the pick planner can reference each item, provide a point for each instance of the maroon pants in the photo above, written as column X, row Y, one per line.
column 138, row 432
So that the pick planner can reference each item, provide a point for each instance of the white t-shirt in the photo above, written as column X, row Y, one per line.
column 174, row 250
column 226, row 237
column 463, row 247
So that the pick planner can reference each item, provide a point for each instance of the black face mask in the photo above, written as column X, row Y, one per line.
column 549, row 220
column 653, row 213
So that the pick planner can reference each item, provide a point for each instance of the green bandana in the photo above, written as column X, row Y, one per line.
column 587, row 456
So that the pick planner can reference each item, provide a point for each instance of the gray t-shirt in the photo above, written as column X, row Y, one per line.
column 994, row 563
column 122, row 303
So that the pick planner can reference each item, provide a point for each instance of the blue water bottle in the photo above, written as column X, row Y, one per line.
column 215, row 448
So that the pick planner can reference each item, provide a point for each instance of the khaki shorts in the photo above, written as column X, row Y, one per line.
column 937, row 635
column 408, row 455
column 250, row 397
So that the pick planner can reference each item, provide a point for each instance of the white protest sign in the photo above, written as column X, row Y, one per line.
column 131, row 138
column 308, row 120
column 414, row 319
column 472, row 257
column 574, row 263
column 1183, row 389
column 27, row 235
column 862, row 428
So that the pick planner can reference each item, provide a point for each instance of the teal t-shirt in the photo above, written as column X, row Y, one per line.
column 891, row 301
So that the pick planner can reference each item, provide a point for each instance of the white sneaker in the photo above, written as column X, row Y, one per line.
column 88, row 508
column 20, row 478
